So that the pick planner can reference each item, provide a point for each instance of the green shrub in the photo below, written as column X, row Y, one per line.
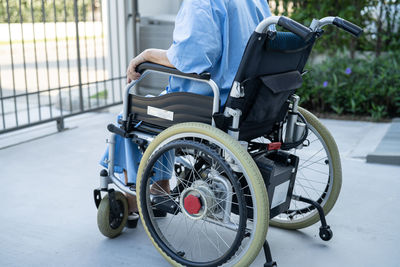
column 368, row 86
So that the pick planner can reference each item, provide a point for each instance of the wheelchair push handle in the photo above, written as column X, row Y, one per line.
column 287, row 23
column 295, row 27
column 348, row 26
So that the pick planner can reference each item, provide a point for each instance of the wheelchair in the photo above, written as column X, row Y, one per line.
column 261, row 160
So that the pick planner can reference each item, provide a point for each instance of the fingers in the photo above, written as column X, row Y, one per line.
column 131, row 73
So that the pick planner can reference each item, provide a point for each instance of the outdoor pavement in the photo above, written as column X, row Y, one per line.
column 48, row 217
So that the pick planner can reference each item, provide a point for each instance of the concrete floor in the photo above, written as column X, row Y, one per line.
column 48, row 217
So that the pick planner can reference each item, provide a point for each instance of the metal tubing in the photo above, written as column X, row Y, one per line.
column 111, row 154
column 136, row 20
column 111, row 46
column 68, row 65
column 2, row 103
column 12, row 64
column 111, row 175
column 65, row 87
column 86, row 56
column 36, row 61
column 20, row 127
column 78, row 54
column 316, row 205
column 102, row 47
column 219, row 178
column 58, row 58
column 47, row 56
column 95, row 54
column 24, row 58
column 318, row 24
column 118, row 48
column 263, row 26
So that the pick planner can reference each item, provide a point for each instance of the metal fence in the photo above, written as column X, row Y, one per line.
column 55, row 61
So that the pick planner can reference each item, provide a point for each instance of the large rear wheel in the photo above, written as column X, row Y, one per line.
column 207, row 222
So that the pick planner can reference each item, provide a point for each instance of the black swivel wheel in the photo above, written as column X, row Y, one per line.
column 325, row 233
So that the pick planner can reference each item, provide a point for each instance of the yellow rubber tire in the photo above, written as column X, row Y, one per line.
column 336, row 172
column 249, row 167
column 103, row 215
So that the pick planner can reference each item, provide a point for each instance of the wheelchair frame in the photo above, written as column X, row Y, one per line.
column 109, row 177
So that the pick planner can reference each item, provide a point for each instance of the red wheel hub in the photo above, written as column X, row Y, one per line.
column 192, row 204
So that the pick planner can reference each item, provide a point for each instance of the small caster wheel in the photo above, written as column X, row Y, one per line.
column 325, row 233
column 271, row 264
column 109, row 225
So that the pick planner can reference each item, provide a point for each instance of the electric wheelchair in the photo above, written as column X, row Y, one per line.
column 262, row 160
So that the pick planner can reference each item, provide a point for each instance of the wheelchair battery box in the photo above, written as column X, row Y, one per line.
column 278, row 169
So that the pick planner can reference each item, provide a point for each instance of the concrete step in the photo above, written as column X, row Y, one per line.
column 388, row 150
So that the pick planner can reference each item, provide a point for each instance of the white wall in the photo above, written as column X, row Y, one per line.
column 157, row 7
column 118, row 30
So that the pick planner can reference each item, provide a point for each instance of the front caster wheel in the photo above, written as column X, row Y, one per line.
column 325, row 233
column 111, row 223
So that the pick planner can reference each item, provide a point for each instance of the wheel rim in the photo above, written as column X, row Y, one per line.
column 116, row 221
column 251, row 225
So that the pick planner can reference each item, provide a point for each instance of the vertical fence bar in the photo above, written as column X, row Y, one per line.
column 102, row 46
column 36, row 62
column 119, row 51
column 68, row 65
column 111, row 49
column 47, row 56
column 24, row 59
column 78, row 52
column 86, row 51
column 136, row 18
column 12, row 63
column 2, row 103
column 95, row 54
column 58, row 59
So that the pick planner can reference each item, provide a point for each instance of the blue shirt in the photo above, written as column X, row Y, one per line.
column 211, row 36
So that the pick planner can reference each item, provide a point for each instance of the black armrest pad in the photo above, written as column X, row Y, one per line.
column 156, row 67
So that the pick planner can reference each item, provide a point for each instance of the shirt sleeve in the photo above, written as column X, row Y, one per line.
column 197, row 39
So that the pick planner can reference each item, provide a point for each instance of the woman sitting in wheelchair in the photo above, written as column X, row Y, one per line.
column 226, row 151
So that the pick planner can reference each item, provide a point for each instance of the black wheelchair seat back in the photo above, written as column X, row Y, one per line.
column 269, row 73
column 157, row 113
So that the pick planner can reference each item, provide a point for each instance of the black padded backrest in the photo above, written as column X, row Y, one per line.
column 287, row 52
column 270, row 71
column 169, row 109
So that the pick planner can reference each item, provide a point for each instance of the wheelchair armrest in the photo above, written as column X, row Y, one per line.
column 160, row 68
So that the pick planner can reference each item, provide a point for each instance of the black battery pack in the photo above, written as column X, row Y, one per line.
column 278, row 169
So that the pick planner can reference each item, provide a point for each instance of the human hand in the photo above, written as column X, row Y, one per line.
column 131, row 74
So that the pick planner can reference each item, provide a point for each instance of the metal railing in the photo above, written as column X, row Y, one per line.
column 55, row 61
